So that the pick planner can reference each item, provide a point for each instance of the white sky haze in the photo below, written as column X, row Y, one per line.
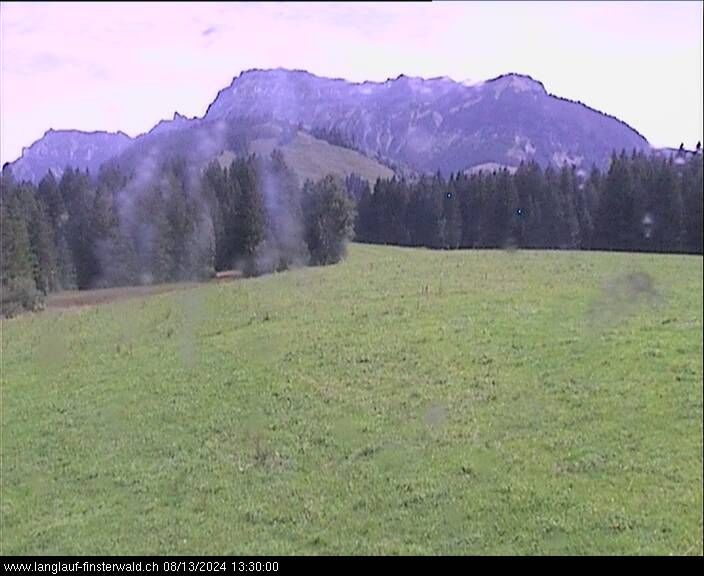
column 115, row 66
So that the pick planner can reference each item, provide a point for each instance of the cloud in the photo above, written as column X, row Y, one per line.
column 208, row 31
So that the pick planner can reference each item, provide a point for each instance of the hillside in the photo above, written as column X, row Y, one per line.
column 202, row 141
column 312, row 159
column 402, row 402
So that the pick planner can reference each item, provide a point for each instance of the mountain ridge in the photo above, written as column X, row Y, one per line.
column 428, row 124
column 579, row 133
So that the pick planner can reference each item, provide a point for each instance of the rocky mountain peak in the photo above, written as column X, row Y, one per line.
column 424, row 124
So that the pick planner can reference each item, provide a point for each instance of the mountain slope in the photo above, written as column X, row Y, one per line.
column 435, row 124
column 60, row 148
column 420, row 124
column 312, row 158
column 201, row 141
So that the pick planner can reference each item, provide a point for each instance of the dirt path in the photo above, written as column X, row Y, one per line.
column 73, row 298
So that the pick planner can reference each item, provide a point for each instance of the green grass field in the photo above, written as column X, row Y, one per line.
column 401, row 402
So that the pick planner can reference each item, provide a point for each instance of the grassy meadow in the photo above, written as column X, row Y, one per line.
column 401, row 402
column 312, row 159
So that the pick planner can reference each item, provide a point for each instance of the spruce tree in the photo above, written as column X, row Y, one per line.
column 249, row 215
column 615, row 223
column 329, row 220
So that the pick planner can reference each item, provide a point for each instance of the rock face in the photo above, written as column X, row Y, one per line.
column 60, row 148
column 424, row 125
column 435, row 124
column 178, row 122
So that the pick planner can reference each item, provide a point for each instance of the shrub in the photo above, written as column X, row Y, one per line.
column 18, row 295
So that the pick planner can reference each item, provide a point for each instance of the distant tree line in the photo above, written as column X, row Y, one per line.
column 641, row 203
column 334, row 136
column 164, row 222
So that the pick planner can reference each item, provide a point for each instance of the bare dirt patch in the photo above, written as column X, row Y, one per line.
column 74, row 298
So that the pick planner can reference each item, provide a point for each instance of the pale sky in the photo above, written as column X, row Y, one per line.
column 114, row 66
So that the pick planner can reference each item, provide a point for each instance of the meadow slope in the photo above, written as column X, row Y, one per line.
column 403, row 401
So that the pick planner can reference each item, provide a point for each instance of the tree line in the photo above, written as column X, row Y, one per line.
column 171, row 221
column 163, row 222
column 642, row 203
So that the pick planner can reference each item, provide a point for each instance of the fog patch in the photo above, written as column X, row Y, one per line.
column 622, row 296
column 284, row 246
column 435, row 416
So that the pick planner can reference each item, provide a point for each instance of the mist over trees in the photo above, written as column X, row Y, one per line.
column 161, row 223
column 329, row 220
column 172, row 220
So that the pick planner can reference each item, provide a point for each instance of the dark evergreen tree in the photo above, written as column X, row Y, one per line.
column 249, row 214
column 77, row 194
column 615, row 221
column 18, row 264
column 423, row 214
column 356, row 187
column 365, row 217
column 586, row 206
column 46, row 274
column 452, row 216
column 568, row 228
column 329, row 218
column 692, row 201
